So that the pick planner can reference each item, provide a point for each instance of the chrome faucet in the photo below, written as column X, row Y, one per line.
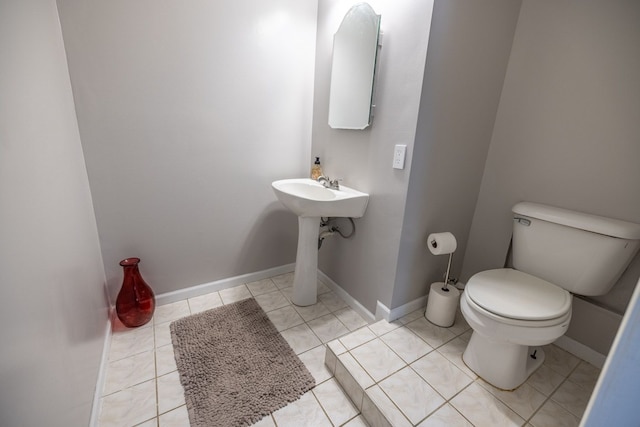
column 329, row 183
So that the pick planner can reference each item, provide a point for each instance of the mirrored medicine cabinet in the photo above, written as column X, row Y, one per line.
column 355, row 49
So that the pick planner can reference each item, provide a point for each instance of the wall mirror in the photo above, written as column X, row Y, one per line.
column 355, row 48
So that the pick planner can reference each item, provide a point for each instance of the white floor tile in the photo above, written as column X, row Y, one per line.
column 178, row 417
column 559, row 360
column 130, row 371
column 162, row 334
column 150, row 423
column 314, row 361
column 271, row 301
column 446, row 416
column 411, row 394
column 261, row 287
column 322, row 288
column 165, row 360
column 377, row 359
column 545, row 380
column 386, row 407
column 234, row 294
column 129, row 407
column 351, row 319
column 585, row 375
column 357, row 422
column 311, row 312
column 305, row 411
column 171, row 312
column 552, row 415
column 482, row 408
column 416, row 314
column 301, row 338
column 357, row 337
column 524, row 400
column 441, row 374
column 382, row 327
column 406, row 344
column 332, row 301
column 327, row 327
column 572, row 397
column 434, row 335
column 130, row 342
column 453, row 351
column 204, row 302
column 283, row 281
column 285, row 318
column 335, row 402
column 170, row 392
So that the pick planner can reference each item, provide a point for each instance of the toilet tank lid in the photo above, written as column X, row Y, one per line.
column 596, row 224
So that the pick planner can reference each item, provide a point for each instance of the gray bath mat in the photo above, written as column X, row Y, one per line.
column 234, row 366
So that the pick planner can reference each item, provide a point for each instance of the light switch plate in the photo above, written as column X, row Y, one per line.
column 399, row 153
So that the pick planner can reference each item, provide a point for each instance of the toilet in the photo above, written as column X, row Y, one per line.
column 514, row 311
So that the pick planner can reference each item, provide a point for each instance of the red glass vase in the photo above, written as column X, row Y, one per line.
column 135, row 303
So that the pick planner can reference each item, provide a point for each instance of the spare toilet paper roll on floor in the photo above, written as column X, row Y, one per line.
column 442, row 243
column 442, row 305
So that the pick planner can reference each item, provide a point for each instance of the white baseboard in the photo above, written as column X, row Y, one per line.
column 383, row 312
column 102, row 372
column 218, row 285
column 230, row 282
column 353, row 303
column 580, row 350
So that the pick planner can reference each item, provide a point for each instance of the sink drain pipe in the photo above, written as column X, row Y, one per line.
column 328, row 227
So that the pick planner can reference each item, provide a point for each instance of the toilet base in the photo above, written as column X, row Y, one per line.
column 503, row 364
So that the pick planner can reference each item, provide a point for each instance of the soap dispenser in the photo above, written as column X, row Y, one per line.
column 316, row 169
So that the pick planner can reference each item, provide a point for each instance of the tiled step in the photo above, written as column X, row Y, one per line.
column 410, row 373
column 372, row 366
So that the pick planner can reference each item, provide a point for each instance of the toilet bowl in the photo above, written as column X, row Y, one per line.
column 511, row 313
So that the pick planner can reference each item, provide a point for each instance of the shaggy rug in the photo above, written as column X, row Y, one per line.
column 234, row 366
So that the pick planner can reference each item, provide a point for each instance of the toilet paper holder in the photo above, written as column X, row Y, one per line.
column 440, row 244
column 442, row 301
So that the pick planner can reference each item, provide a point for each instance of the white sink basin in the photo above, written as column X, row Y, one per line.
column 308, row 198
column 310, row 201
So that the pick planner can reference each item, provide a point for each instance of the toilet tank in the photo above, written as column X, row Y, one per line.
column 584, row 254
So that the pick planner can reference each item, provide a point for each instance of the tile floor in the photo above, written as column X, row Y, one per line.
column 142, row 386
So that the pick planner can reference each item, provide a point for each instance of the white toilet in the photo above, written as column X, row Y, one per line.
column 512, row 311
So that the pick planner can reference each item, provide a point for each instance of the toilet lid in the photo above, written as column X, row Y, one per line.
column 517, row 295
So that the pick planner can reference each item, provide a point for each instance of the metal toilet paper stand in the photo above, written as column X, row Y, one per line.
column 443, row 300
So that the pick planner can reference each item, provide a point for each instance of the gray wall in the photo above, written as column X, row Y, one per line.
column 567, row 128
column 188, row 112
column 365, row 265
column 54, row 309
column 469, row 48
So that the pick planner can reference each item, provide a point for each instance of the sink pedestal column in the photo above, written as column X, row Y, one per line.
column 305, row 277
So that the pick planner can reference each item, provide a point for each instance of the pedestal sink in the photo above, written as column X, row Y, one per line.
column 310, row 201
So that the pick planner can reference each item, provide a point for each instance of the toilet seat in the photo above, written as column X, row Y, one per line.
column 517, row 297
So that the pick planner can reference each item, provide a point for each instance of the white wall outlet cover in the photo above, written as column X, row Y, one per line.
column 399, row 154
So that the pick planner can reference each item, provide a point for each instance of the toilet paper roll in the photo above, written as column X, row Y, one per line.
column 442, row 243
column 442, row 305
